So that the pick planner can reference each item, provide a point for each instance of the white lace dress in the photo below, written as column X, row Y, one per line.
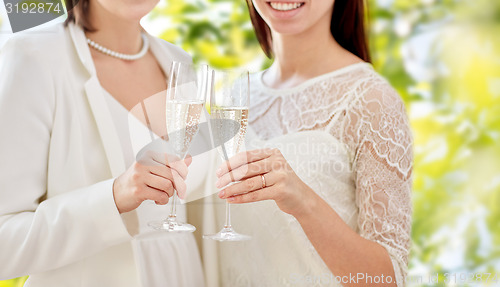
column 347, row 136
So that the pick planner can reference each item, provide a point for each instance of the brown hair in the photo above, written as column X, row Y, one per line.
column 347, row 28
column 78, row 12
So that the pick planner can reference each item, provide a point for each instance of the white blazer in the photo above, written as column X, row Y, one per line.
column 59, row 155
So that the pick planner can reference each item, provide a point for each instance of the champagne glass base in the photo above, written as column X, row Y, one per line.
column 227, row 234
column 171, row 226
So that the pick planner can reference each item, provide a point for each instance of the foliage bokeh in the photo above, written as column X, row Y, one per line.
column 443, row 57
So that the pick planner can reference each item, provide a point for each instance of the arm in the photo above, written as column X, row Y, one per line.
column 382, row 140
column 383, row 197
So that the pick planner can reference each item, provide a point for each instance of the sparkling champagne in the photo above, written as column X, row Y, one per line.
column 225, row 129
column 183, row 118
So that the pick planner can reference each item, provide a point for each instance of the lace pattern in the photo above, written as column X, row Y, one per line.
column 360, row 111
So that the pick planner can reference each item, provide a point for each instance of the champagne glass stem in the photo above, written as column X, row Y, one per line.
column 228, row 215
column 228, row 208
column 172, row 217
column 173, row 211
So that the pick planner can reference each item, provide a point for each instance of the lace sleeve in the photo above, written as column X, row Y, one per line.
column 382, row 142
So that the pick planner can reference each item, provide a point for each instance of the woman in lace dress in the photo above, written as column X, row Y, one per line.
column 325, row 186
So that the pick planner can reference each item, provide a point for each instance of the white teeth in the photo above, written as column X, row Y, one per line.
column 285, row 6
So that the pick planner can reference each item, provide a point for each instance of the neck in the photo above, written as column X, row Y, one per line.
column 113, row 32
column 303, row 56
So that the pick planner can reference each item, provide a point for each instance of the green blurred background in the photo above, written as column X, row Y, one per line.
column 443, row 57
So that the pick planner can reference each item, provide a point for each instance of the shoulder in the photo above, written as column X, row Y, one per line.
column 42, row 42
column 36, row 50
column 382, row 122
column 382, row 114
column 28, row 61
column 377, row 95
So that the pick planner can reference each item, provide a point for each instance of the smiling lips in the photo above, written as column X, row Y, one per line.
column 287, row 6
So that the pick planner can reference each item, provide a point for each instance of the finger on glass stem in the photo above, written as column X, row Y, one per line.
column 243, row 158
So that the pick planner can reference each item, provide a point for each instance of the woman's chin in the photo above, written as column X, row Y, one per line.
column 134, row 15
column 287, row 29
column 135, row 11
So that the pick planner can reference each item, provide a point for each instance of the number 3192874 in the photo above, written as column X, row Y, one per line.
column 33, row 8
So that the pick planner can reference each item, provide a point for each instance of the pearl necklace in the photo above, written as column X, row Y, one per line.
column 127, row 57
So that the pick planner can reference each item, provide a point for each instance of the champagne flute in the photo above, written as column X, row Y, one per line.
column 229, row 100
column 186, row 96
